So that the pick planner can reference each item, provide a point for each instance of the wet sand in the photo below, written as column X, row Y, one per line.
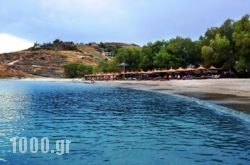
column 230, row 101
column 232, row 93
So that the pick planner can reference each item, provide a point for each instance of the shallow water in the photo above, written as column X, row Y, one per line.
column 112, row 125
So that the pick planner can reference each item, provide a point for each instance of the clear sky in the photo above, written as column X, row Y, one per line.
column 132, row 21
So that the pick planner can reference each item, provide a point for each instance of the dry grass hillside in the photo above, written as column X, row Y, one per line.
column 48, row 60
column 45, row 63
column 9, row 72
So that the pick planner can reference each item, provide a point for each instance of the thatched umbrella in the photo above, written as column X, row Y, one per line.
column 115, row 74
column 189, row 69
column 164, row 71
column 141, row 72
column 123, row 64
column 201, row 68
column 149, row 72
column 171, row 70
column 180, row 69
column 156, row 71
column 213, row 68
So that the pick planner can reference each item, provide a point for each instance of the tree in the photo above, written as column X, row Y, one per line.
column 84, row 69
column 217, row 52
column 145, row 63
column 210, row 34
column 221, row 46
column 130, row 56
column 207, row 55
column 241, row 37
column 75, row 69
column 102, row 45
column 185, row 50
column 105, row 66
column 165, row 60
column 156, row 46
column 226, row 29
column 146, row 58
column 57, row 41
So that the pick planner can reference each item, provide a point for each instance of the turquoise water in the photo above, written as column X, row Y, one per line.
column 112, row 125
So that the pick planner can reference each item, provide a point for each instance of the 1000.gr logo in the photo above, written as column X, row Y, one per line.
column 44, row 145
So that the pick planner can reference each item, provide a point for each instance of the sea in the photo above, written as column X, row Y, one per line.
column 75, row 123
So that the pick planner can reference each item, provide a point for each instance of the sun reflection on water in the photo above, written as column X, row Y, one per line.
column 13, row 108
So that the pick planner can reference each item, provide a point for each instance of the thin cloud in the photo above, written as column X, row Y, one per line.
column 138, row 21
column 93, row 7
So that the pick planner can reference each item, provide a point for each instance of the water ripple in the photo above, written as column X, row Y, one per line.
column 109, row 125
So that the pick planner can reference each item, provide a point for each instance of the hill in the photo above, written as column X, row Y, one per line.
column 47, row 60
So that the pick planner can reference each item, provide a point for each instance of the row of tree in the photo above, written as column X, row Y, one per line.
column 56, row 45
column 227, row 46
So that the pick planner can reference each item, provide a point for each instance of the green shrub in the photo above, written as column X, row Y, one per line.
column 75, row 69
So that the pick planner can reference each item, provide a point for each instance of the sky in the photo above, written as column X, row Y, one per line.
column 130, row 21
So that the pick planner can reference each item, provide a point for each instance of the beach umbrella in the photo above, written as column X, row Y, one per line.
column 115, row 74
column 149, row 72
column 129, row 72
column 171, row 70
column 164, row 71
column 140, row 72
column 123, row 64
column 99, row 74
column 137, row 72
column 213, row 68
column 200, row 68
column 107, row 74
column 180, row 69
column 134, row 72
column 189, row 69
column 157, row 71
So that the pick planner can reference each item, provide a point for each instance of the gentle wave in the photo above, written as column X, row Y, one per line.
column 217, row 108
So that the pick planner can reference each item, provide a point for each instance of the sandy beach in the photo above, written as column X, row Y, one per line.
column 232, row 93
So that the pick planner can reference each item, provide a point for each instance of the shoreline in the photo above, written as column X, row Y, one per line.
column 231, row 93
